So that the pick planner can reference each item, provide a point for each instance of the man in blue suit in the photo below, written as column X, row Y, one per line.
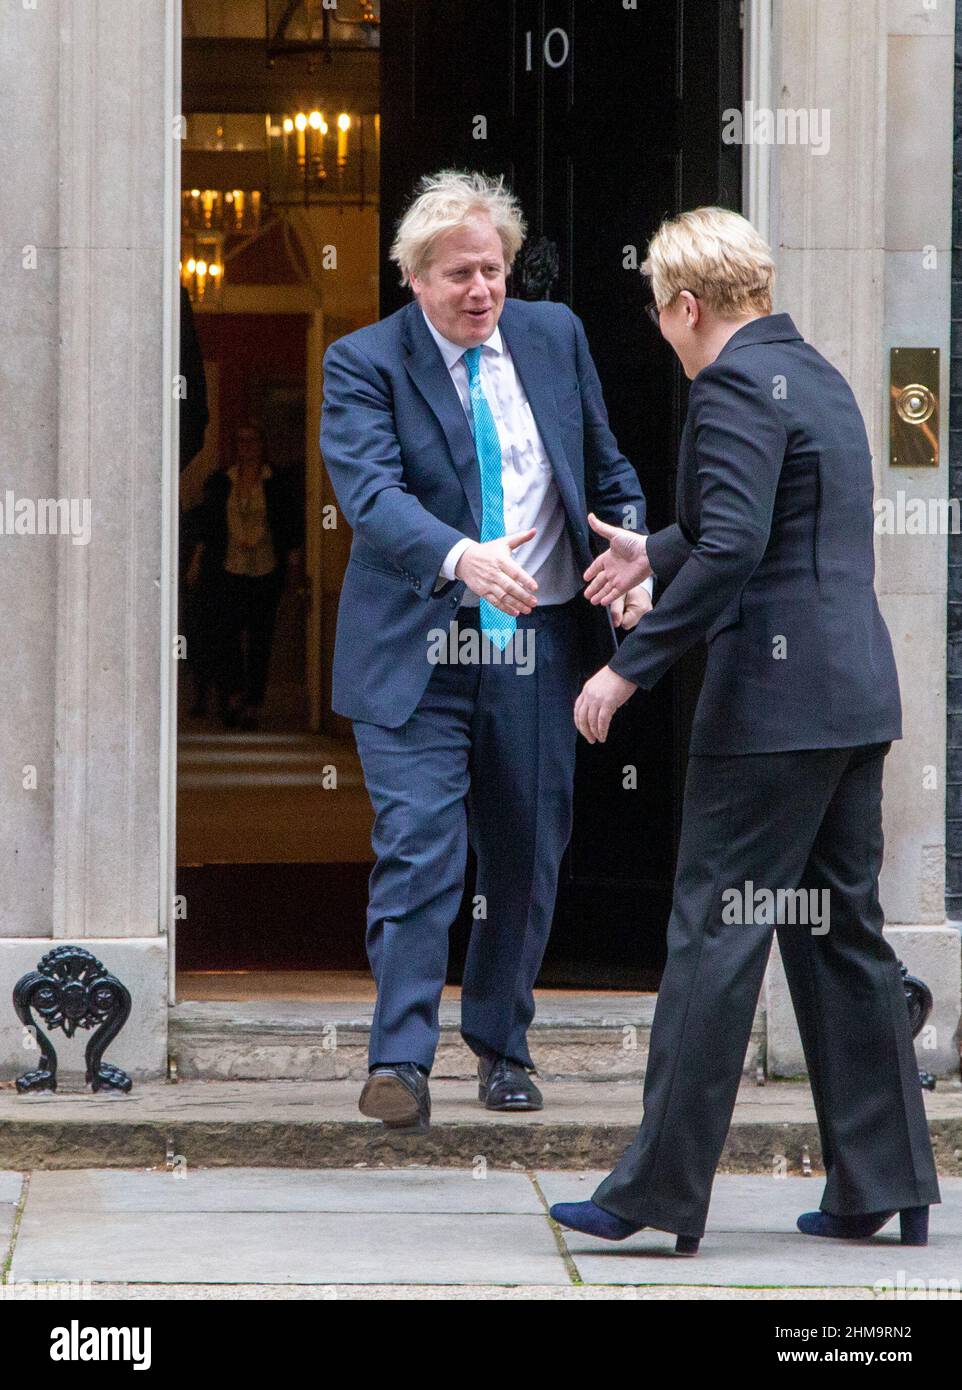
column 467, row 439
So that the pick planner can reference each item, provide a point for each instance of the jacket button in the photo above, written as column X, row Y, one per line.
column 417, row 583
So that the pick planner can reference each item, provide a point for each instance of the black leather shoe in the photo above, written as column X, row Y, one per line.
column 506, row 1085
column 398, row 1094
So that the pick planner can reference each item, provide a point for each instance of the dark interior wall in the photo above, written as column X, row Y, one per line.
column 256, row 353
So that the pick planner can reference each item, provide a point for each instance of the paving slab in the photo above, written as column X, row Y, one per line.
column 751, row 1240
column 408, row 1190
column 285, row 1247
column 120, row 1226
column 10, row 1184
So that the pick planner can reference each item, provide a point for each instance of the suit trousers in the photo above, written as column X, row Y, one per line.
column 809, row 820
column 246, row 603
column 487, row 757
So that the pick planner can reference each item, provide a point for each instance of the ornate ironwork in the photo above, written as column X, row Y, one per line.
column 71, row 989
column 918, row 997
column 539, row 268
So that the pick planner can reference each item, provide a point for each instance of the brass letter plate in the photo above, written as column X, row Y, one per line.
column 914, row 412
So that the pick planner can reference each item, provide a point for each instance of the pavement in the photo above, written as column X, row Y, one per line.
column 477, row 1232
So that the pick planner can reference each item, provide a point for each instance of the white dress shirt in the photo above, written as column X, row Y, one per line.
column 250, row 549
column 531, row 496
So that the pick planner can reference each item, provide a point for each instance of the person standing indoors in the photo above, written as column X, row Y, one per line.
column 771, row 562
column 466, row 438
column 250, row 532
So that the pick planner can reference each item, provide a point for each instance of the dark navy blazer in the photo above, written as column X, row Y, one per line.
column 771, row 559
column 400, row 453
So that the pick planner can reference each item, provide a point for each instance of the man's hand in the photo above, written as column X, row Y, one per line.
column 626, row 611
column 489, row 571
column 605, row 693
column 623, row 565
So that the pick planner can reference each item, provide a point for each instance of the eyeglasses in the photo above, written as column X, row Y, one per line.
column 654, row 313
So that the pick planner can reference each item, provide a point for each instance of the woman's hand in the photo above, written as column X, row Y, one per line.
column 600, row 699
column 622, row 566
column 626, row 611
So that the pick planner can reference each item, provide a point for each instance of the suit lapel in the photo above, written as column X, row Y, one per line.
column 426, row 367
column 536, row 373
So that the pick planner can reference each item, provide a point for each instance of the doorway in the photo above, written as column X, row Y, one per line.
column 604, row 119
column 278, row 253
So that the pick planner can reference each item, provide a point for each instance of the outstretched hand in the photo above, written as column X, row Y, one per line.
column 489, row 571
column 621, row 567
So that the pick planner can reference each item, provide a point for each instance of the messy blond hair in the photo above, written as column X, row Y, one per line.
column 447, row 200
column 717, row 255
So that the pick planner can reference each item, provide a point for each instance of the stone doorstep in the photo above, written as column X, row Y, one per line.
column 588, row 1038
column 315, row 1124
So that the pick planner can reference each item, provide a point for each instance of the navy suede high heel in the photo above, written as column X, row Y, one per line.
column 913, row 1224
column 595, row 1221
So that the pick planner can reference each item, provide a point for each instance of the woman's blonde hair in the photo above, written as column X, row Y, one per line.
column 717, row 255
column 447, row 200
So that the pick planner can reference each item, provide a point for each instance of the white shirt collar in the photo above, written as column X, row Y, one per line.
column 451, row 351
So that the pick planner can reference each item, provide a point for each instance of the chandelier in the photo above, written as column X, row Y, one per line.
column 208, row 217
column 320, row 157
column 316, row 29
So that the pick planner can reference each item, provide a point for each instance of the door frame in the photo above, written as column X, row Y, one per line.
column 170, row 484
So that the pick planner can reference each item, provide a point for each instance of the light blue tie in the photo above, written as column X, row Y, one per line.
column 498, row 627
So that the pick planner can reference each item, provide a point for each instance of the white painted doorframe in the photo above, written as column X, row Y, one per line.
column 170, row 486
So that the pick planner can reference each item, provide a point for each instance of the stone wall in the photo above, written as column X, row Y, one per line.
column 85, row 91
column 855, row 231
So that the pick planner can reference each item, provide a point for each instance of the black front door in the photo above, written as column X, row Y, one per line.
column 604, row 117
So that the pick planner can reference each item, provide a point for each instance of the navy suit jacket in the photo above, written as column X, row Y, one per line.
column 400, row 453
column 771, row 559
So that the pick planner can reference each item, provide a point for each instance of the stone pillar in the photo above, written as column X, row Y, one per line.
column 86, row 90
column 851, row 229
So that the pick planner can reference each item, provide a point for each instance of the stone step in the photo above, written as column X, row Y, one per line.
column 315, row 1124
column 590, row 1036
